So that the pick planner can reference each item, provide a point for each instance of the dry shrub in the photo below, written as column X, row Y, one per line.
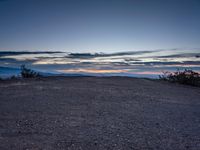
column 188, row 77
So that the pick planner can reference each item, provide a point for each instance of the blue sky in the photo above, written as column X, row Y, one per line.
column 99, row 25
column 136, row 37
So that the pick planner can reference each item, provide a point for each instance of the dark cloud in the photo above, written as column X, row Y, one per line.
column 181, row 55
column 11, row 53
column 13, row 60
column 90, row 55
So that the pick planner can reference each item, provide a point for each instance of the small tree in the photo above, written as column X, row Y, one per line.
column 28, row 73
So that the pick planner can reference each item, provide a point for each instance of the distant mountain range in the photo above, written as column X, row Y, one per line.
column 6, row 72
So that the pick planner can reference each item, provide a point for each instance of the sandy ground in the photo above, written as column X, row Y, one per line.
column 98, row 113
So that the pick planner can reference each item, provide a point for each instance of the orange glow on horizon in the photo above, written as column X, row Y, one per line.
column 148, row 72
column 91, row 71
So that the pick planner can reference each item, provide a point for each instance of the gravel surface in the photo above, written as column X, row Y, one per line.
column 92, row 113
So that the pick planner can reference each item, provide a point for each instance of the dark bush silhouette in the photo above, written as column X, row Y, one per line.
column 28, row 73
column 188, row 77
column 14, row 77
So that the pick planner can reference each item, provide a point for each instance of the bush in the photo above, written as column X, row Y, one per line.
column 188, row 77
column 28, row 73
column 13, row 77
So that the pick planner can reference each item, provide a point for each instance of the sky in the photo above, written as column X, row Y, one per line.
column 99, row 37
column 99, row 25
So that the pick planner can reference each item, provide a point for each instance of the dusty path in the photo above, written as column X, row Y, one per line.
column 98, row 113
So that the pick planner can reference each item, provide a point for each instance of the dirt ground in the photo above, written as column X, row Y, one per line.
column 96, row 113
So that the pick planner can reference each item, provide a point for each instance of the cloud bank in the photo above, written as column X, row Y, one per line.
column 146, row 63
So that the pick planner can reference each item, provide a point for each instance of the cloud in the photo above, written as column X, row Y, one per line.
column 181, row 55
column 102, row 63
column 14, row 61
column 91, row 55
column 13, row 53
column 91, row 70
